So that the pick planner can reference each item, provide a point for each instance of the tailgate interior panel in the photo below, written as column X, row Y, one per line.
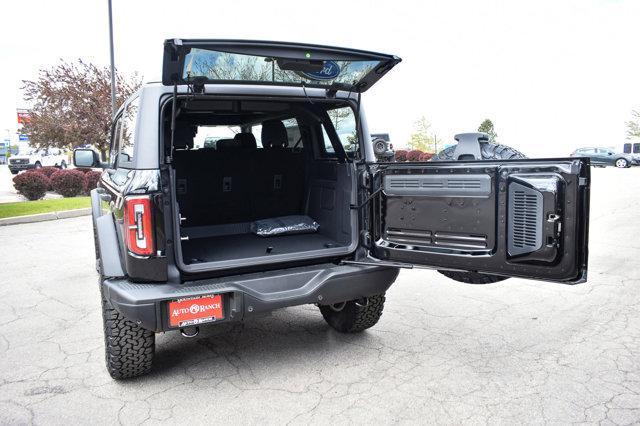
column 521, row 218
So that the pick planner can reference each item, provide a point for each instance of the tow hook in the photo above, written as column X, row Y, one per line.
column 190, row 332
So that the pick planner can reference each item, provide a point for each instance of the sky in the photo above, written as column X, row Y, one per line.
column 551, row 75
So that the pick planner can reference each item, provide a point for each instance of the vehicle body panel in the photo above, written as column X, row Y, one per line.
column 526, row 218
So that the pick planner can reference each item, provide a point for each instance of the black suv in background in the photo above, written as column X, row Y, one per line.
column 276, row 212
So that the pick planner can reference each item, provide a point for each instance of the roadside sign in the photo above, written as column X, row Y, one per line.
column 23, row 137
column 23, row 116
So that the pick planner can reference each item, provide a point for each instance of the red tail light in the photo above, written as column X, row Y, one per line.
column 138, row 227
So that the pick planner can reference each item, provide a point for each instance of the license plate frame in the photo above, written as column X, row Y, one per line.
column 191, row 311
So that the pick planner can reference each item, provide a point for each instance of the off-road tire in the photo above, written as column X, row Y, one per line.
column 355, row 316
column 489, row 151
column 128, row 347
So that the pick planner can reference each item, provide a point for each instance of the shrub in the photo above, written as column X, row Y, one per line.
column 414, row 155
column 91, row 181
column 68, row 183
column 31, row 185
column 47, row 171
column 401, row 155
column 426, row 156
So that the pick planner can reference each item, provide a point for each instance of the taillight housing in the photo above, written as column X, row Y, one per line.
column 138, row 225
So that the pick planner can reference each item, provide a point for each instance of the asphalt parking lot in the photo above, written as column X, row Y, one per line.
column 513, row 352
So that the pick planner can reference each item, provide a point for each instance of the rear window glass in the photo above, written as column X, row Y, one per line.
column 223, row 66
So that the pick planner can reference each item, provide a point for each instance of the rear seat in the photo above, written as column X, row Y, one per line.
column 280, row 187
column 238, row 183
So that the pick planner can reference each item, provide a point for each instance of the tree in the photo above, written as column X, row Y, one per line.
column 487, row 127
column 338, row 116
column 633, row 125
column 422, row 139
column 71, row 105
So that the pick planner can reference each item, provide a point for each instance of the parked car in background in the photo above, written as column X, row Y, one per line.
column 632, row 149
column 602, row 157
column 382, row 147
column 37, row 158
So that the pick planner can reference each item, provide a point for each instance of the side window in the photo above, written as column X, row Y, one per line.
column 344, row 122
column 115, row 142
column 127, row 133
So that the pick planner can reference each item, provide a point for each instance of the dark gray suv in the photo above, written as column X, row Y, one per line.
column 289, row 205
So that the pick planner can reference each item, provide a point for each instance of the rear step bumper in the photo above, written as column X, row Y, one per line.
column 250, row 294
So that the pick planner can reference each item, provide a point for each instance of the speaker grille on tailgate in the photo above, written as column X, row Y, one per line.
column 525, row 219
column 438, row 186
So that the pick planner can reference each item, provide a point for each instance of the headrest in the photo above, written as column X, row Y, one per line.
column 274, row 134
column 226, row 145
column 183, row 137
column 245, row 141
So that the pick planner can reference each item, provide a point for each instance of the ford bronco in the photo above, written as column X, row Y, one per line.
column 246, row 181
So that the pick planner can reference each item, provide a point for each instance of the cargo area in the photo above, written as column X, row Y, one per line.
column 271, row 165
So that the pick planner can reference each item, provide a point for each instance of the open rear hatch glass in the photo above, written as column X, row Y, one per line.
column 278, row 63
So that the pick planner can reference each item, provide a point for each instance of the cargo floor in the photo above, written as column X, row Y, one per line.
column 239, row 246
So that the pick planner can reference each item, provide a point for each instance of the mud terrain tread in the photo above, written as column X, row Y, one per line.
column 129, row 348
column 354, row 318
column 489, row 151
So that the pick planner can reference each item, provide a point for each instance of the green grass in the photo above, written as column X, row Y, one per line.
column 43, row 206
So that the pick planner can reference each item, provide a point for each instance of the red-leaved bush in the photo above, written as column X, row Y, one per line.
column 414, row 155
column 401, row 155
column 68, row 183
column 31, row 185
column 48, row 171
column 426, row 156
column 91, row 179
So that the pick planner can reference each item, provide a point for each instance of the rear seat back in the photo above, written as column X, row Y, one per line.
column 238, row 183
column 279, row 190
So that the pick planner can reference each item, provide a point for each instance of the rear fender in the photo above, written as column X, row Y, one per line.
column 107, row 250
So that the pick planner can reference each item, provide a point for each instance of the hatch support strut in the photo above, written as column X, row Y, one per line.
column 174, row 101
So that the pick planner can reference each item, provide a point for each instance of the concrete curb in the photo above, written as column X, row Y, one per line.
column 65, row 214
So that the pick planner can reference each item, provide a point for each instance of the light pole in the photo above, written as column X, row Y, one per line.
column 113, row 68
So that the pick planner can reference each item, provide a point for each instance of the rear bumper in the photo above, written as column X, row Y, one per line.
column 251, row 294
